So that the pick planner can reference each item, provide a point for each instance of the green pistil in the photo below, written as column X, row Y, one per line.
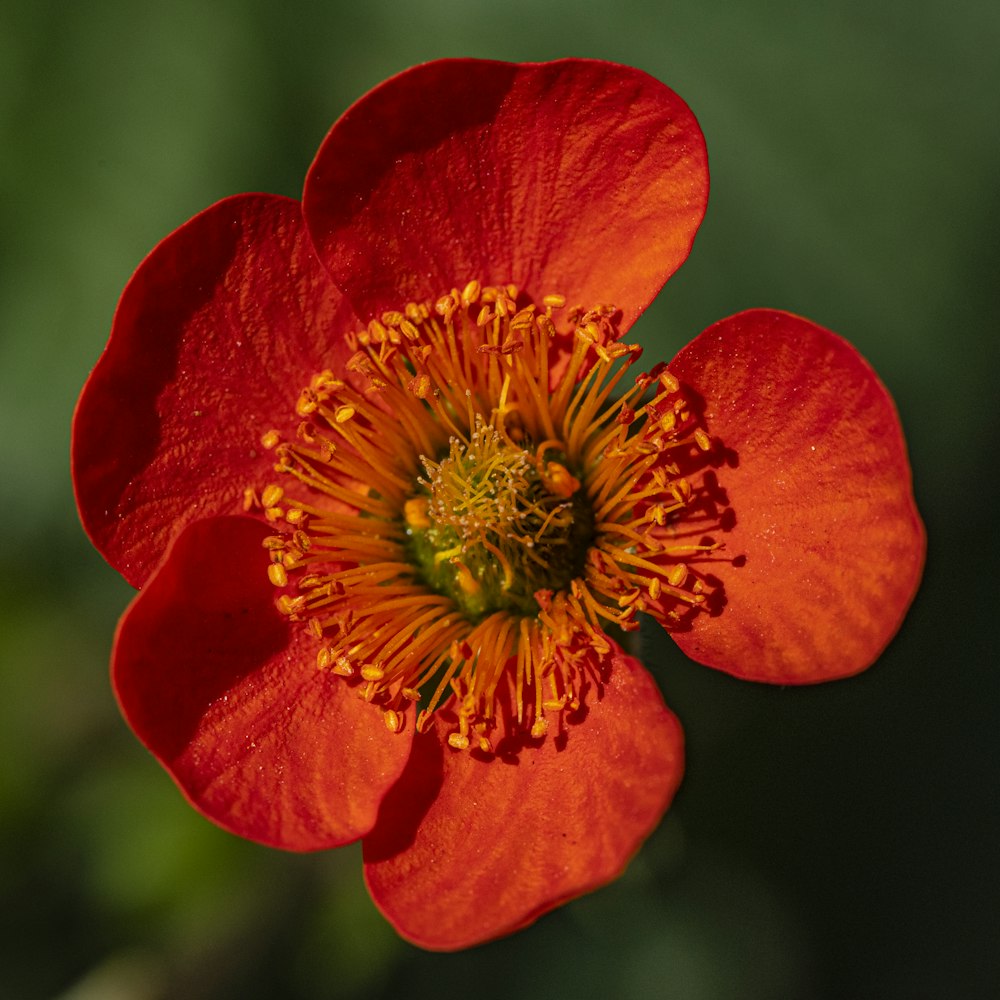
column 488, row 528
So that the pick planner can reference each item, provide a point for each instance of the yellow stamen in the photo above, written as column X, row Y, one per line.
column 458, row 527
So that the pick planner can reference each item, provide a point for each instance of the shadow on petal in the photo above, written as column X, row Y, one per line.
column 408, row 801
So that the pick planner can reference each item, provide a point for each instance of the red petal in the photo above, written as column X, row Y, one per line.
column 466, row 849
column 217, row 332
column 825, row 516
column 226, row 694
column 580, row 177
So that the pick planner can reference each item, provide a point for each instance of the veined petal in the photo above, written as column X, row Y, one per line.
column 580, row 177
column 828, row 544
column 212, row 341
column 467, row 849
column 228, row 697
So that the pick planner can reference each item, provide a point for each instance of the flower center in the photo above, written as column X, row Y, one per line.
column 493, row 522
column 470, row 506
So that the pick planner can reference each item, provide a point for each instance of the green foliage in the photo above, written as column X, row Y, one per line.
column 830, row 843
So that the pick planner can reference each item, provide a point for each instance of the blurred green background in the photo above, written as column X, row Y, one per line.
column 828, row 843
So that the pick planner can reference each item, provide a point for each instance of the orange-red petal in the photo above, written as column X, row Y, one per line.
column 827, row 547
column 467, row 849
column 215, row 335
column 228, row 697
column 578, row 176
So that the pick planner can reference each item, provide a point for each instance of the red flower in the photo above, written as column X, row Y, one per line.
column 382, row 504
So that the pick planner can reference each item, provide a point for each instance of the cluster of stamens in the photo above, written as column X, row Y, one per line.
column 474, row 501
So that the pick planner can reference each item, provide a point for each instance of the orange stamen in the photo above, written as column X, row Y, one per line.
column 457, row 527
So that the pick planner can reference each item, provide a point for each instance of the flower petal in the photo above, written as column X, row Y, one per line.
column 825, row 515
column 467, row 849
column 227, row 696
column 215, row 335
column 580, row 177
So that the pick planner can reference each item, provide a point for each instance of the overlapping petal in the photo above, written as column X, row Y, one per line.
column 827, row 541
column 215, row 335
column 226, row 694
column 578, row 176
column 465, row 851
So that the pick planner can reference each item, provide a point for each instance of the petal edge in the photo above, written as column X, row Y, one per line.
column 579, row 176
column 227, row 696
column 214, row 336
column 467, row 850
column 825, row 515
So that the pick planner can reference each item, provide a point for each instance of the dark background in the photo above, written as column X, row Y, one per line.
column 829, row 843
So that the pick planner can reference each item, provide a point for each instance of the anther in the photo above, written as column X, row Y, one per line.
column 470, row 293
column 626, row 415
column 307, row 403
column 288, row 605
column 668, row 381
column 415, row 513
column 523, row 320
column 420, row 385
column 560, row 480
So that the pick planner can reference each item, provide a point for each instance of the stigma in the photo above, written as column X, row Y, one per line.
column 477, row 505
